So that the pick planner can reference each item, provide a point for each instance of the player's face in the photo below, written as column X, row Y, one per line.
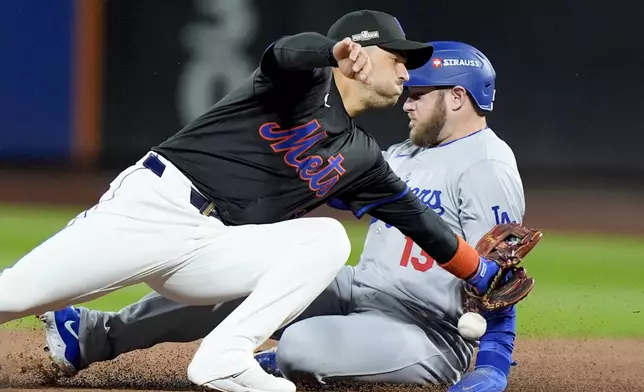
column 427, row 114
column 388, row 75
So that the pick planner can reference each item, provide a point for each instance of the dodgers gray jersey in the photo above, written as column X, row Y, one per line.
column 473, row 183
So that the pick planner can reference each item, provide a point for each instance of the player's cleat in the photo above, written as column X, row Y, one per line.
column 253, row 379
column 267, row 360
column 483, row 278
column 61, row 332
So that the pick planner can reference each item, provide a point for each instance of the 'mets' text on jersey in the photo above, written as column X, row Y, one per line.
column 282, row 143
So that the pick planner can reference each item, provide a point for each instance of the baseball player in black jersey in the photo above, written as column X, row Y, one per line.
column 209, row 215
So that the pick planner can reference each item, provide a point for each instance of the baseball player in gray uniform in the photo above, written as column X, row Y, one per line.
column 393, row 317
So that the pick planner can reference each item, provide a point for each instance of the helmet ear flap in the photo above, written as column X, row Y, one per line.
column 483, row 96
column 489, row 94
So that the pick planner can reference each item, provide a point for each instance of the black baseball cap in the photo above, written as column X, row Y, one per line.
column 369, row 28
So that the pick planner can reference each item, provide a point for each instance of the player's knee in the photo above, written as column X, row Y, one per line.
column 18, row 299
column 15, row 305
column 335, row 236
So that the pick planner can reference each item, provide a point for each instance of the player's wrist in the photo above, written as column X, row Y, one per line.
column 465, row 261
column 493, row 358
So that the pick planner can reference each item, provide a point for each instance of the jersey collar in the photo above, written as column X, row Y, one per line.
column 461, row 138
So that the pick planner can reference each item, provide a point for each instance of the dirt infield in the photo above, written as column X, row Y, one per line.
column 543, row 366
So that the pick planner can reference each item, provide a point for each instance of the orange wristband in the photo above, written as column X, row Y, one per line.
column 465, row 261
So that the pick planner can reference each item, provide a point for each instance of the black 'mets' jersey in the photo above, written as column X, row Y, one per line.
column 282, row 144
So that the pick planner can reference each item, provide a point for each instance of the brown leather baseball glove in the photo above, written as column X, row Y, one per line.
column 507, row 244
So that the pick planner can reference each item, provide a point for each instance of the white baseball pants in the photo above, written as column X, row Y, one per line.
column 144, row 229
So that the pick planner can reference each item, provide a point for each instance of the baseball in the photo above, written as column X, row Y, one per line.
column 472, row 326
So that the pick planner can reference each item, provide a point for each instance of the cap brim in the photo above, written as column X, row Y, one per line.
column 417, row 53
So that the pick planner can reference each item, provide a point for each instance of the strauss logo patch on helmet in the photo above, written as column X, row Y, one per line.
column 437, row 63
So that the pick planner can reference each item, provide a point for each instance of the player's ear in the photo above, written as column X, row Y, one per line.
column 457, row 97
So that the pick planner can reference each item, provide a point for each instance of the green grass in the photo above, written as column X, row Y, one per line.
column 587, row 286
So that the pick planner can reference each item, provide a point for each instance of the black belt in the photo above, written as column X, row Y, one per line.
column 205, row 206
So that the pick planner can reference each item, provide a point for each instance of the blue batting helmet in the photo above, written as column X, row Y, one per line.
column 456, row 63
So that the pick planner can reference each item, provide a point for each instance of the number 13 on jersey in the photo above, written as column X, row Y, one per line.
column 422, row 263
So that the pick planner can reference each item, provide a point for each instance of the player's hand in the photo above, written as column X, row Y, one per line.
column 483, row 379
column 353, row 60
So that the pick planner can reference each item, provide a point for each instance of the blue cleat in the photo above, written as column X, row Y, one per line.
column 267, row 360
column 61, row 332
